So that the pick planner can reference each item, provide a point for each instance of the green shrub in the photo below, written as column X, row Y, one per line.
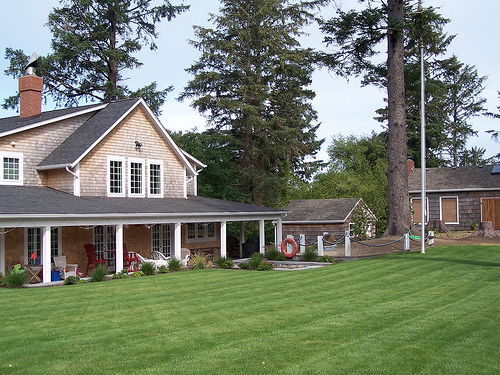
column 16, row 278
column 123, row 274
column 148, row 268
column 310, row 254
column 199, row 262
column 174, row 264
column 162, row 269
column 99, row 274
column 1, row 279
column 244, row 266
column 71, row 280
column 274, row 254
column 265, row 266
column 255, row 261
column 326, row 259
column 138, row 274
column 223, row 262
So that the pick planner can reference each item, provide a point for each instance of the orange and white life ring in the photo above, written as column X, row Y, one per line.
column 283, row 247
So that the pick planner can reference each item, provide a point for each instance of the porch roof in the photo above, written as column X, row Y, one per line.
column 40, row 206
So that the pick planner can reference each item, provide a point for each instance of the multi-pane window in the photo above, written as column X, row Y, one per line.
column 200, row 232
column 115, row 177
column 34, row 245
column 54, row 242
column 105, row 242
column 11, row 168
column 155, row 179
column 161, row 239
column 136, row 176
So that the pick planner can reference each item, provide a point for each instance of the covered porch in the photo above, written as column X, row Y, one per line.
column 140, row 224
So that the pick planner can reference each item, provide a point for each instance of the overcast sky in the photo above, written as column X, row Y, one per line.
column 343, row 107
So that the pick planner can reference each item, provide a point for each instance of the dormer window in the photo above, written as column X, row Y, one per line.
column 12, row 168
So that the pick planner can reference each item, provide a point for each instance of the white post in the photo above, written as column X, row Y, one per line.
column 242, row 237
column 2, row 251
column 407, row 242
column 279, row 233
column 177, row 240
column 302, row 241
column 347, row 244
column 46, row 261
column 320, row 246
column 223, row 239
column 262, row 237
column 119, row 248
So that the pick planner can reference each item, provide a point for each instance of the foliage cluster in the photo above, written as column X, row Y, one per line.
column 310, row 254
column 199, row 262
column 326, row 259
column 174, row 265
column 123, row 274
column 223, row 262
column 99, row 274
column 257, row 262
column 272, row 253
column 16, row 278
column 148, row 268
column 162, row 269
column 71, row 280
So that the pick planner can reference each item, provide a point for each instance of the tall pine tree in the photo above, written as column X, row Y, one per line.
column 93, row 44
column 251, row 83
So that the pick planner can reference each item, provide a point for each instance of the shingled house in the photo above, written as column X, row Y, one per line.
column 317, row 217
column 458, row 196
column 105, row 174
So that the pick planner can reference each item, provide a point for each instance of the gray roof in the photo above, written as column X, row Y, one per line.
column 320, row 210
column 9, row 124
column 69, row 151
column 455, row 179
column 26, row 201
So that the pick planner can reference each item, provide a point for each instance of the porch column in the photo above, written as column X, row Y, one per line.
column 119, row 248
column 262, row 237
column 46, row 261
column 279, row 233
column 177, row 240
column 242, row 237
column 2, row 251
column 223, row 239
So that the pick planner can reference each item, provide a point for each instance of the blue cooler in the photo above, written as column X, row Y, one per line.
column 55, row 276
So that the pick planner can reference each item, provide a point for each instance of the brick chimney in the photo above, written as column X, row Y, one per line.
column 30, row 95
column 410, row 165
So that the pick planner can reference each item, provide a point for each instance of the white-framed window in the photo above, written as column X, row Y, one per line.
column 161, row 239
column 200, row 232
column 105, row 242
column 33, row 244
column 449, row 210
column 155, row 178
column 11, row 168
column 116, row 176
column 416, row 204
column 136, row 177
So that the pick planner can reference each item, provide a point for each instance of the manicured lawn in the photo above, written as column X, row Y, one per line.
column 437, row 313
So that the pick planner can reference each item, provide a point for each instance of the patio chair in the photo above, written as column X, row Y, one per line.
column 185, row 255
column 156, row 263
column 130, row 259
column 64, row 268
column 92, row 261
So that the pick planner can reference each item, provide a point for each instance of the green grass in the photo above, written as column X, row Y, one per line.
column 437, row 313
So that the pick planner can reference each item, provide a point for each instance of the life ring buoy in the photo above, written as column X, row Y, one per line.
column 283, row 247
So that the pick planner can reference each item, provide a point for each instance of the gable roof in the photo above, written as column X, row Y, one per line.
column 467, row 178
column 16, row 124
column 106, row 117
column 321, row 210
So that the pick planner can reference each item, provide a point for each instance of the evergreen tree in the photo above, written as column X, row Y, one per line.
column 94, row 42
column 251, row 83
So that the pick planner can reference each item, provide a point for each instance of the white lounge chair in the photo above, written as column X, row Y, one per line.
column 65, row 269
column 156, row 263
column 185, row 254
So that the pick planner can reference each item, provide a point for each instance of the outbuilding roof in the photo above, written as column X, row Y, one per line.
column 321, row 210
column 467, row 178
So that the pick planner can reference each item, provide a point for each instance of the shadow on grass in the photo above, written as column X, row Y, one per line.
column 460, row 261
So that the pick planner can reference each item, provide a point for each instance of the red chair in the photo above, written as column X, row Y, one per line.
column 90, row 249
column 129, row 259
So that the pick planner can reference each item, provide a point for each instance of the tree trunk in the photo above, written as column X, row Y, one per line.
column 438, row 226
column 486, row 229
column 399, row 216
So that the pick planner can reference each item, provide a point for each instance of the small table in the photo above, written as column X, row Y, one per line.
column 34, row 273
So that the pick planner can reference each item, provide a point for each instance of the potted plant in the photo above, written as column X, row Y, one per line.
column 473, row 225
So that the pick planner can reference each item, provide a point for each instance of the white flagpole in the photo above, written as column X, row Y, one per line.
column 423, row 205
